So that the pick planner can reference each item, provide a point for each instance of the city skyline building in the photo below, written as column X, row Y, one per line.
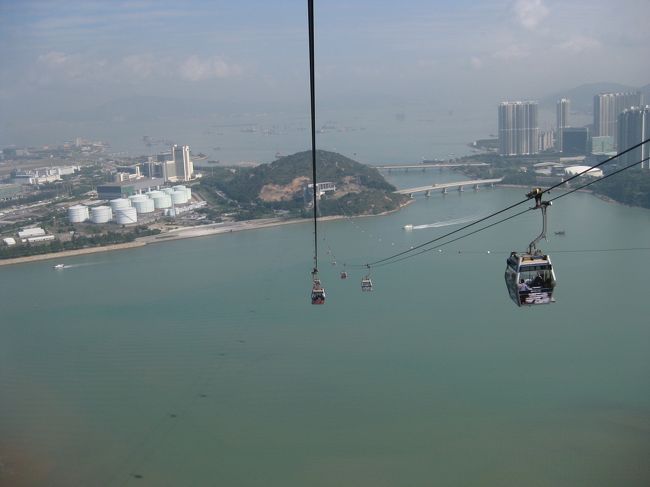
column 562, row 120
column 634, row 128
column 180, row 167
column 546, row 140
column 518, row 128
column 607, row 108
column 575, row 141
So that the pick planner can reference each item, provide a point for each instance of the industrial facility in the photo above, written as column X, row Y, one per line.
column 125, row 211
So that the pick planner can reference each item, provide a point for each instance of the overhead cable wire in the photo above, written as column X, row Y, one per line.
column 310, row 14
column 514, row 205
column 429, row 249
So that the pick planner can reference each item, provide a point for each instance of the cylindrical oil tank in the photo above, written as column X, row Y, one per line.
column 78, row 214
column 101, row 214
column 179, row 198
column 119, row 203
column 144, row 206
column 180, row 187
column 126, row 216
column 152, row 194
column 162, row 201
column 138, row 197
column 168, row 191
column 188, row 193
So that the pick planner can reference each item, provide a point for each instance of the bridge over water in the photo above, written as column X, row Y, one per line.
column 459, row 185
column 424, row 167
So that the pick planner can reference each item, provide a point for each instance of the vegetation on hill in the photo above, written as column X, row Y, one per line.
column 631, row 187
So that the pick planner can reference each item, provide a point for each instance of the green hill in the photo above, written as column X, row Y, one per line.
column 281, row 185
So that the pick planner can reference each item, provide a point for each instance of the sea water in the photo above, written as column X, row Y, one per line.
column 201, row 361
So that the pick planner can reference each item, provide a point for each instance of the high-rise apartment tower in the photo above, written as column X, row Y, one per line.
column 562, row 119
column 634, row 128
column 518, row 128
column 607, row 108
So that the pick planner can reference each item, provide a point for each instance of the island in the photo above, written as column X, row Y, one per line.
column 283, row 188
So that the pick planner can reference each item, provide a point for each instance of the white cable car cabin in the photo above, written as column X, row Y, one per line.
column 366, row 284
column 530, row 278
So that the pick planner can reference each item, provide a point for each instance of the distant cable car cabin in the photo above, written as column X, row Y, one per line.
column 317, row 292
column 366, row 284
column 344, row 275
column 529, row 276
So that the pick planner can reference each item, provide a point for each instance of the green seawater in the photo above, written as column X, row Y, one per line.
column 201, row 362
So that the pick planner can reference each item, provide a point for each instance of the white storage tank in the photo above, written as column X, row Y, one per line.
column 179, row 198
column 180, row 187
column 101, row 214
column 138, row 197
column 162, row 201
column 119, row 203
column 78, row 214
column 168, row 191
column 183, row 189
column 153, row 194
column 144, row 206
column 126, row 216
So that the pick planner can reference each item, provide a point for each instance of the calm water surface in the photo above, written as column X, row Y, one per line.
column 200, row 362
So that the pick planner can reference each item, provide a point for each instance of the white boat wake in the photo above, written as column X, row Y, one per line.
column 446, row 223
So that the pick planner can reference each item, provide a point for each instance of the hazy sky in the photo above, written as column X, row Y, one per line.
column 82, row 53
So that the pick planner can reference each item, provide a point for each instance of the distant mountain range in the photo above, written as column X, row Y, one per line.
column 582, row 97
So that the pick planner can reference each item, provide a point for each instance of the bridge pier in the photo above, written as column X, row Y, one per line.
column 427, row 193
column 460, row 189
column 476, row 187
column 444, row 190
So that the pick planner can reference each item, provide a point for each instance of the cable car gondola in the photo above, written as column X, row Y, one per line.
column 317, row 291
column 344, row 275
column 366, row 284
column 529, row 276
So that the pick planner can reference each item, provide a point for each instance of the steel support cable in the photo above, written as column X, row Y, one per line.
column 423, row 251
column 514, row 205
column 310, row 14
column 629, row 166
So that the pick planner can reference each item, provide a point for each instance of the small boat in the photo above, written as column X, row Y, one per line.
column 560, row 232
column 59, row 266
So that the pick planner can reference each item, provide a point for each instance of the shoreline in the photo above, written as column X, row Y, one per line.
column 71, row 253
column 185, row 233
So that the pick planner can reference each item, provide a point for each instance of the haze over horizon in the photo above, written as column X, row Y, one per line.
column 73, row 56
